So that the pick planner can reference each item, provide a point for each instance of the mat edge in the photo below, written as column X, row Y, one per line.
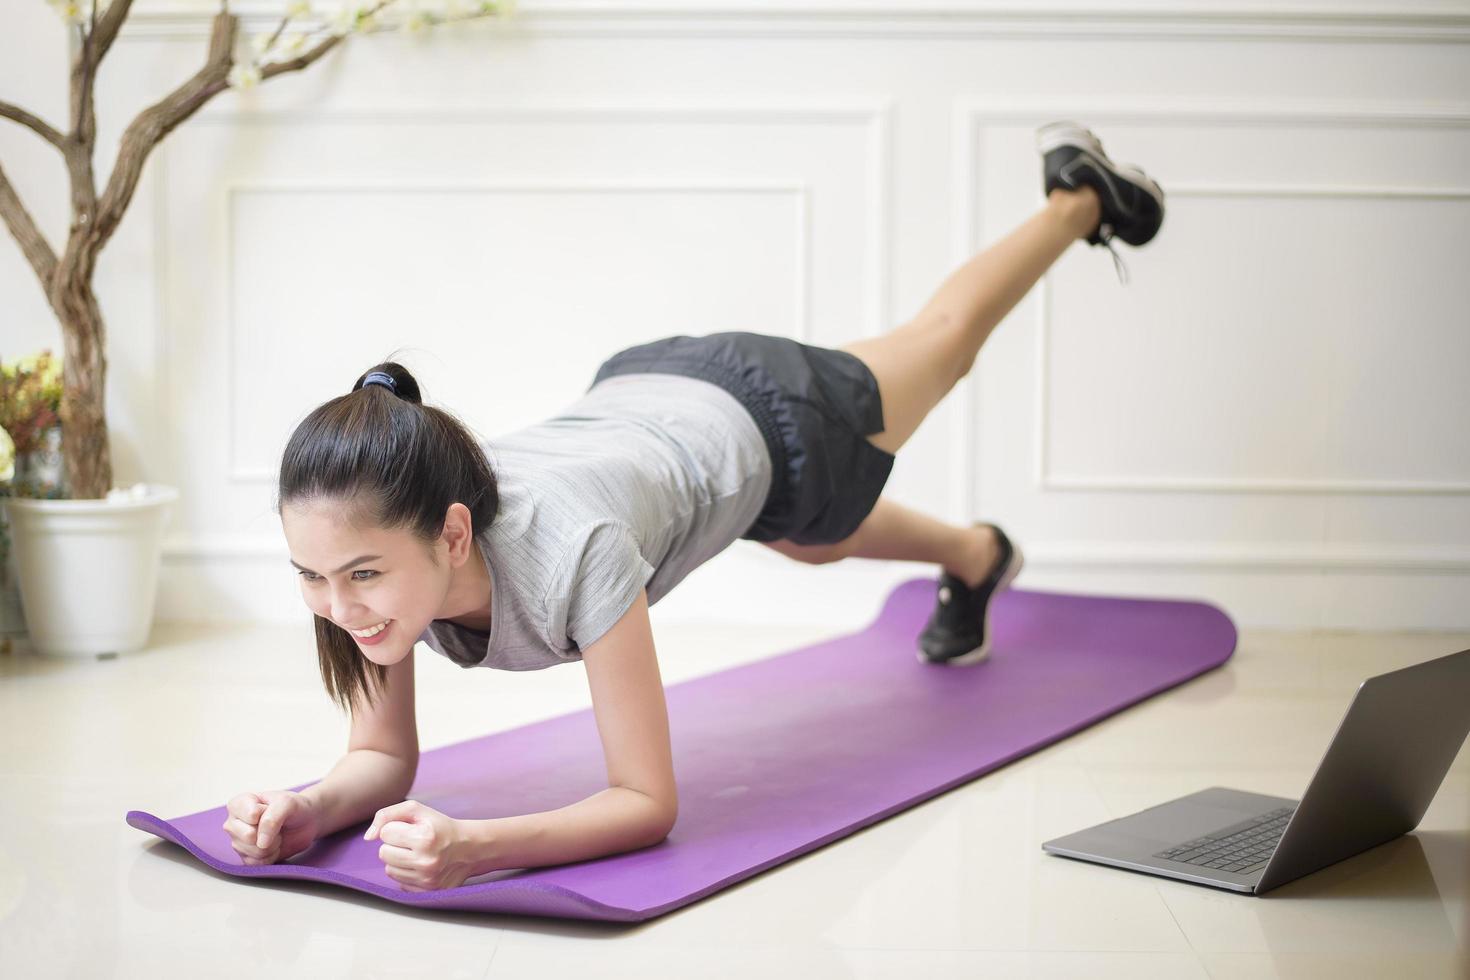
column 559, row 894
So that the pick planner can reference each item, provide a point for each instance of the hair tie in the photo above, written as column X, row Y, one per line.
column 381, row 378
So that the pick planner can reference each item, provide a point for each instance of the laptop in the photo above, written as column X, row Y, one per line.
column 1391, row 751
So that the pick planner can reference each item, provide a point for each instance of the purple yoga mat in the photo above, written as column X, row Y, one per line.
column 778, row 757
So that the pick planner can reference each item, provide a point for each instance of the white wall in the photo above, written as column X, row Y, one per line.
column 1270, row 417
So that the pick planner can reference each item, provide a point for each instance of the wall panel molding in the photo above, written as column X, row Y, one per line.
column 972, row 117
column 875, row 118
column 799, row 191
column 1220, row 20
column 1047, row 481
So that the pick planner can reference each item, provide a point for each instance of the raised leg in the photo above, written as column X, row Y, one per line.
column 917, row 364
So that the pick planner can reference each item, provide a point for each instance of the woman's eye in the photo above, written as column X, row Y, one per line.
column 364, row 571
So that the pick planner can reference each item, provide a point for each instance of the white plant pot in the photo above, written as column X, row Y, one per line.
column 89, row 569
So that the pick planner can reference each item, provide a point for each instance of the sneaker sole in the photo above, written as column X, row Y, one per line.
column 982, row 652
column 1055, row 135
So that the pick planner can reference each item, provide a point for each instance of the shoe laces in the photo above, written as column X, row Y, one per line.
column 1105, row 232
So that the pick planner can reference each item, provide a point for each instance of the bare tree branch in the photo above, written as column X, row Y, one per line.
column 79, row 146
column 32, row 243
column 158, row 120
column 106, row 30
column 279, row 28
column 47, row 132
column 301, row 61
column 83, row 137
column 83, row 73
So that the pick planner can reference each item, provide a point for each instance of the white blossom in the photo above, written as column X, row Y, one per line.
column 293, row 42
column 70, row 11
column 342, row 22
column 417, row 20
column 299, row 8
column 350, row 16
column 244, row 76
column 77, row 11
column 260, row 44
column 7, row 456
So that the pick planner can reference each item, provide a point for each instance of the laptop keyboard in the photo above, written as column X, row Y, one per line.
column 1242, row 851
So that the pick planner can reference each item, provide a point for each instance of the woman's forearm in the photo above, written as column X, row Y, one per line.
column 615, row 820
column 361, row 783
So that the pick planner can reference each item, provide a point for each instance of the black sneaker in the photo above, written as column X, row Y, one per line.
column 1132, row 202
column 958, row 632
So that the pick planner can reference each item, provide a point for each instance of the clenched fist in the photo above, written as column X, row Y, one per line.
column 270, row 826
column 423, row 849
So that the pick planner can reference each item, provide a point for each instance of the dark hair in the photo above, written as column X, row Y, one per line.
column 395, row 463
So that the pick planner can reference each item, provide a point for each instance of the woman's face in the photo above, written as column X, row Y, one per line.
column 397, row 583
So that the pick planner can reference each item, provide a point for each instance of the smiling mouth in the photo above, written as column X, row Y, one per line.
column 371, row 631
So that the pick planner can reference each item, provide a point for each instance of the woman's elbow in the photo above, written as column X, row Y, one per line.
column 665, row 824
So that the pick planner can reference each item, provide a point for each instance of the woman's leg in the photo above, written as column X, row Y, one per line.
column 900, row 533
column 917, row 364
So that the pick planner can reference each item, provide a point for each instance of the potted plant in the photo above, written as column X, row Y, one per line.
column 87, row 569
column 84, row 527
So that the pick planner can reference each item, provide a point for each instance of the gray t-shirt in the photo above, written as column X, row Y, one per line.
column 637, row 483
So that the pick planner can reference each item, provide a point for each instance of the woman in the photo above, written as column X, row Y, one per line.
column 549, row 544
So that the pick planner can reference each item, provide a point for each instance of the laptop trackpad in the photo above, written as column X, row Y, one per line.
column 1199, row 814
column 1176, row 822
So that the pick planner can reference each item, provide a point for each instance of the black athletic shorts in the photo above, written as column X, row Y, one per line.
column 813, row 406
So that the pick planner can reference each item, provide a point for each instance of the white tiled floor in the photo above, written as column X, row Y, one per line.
column 957, row 886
